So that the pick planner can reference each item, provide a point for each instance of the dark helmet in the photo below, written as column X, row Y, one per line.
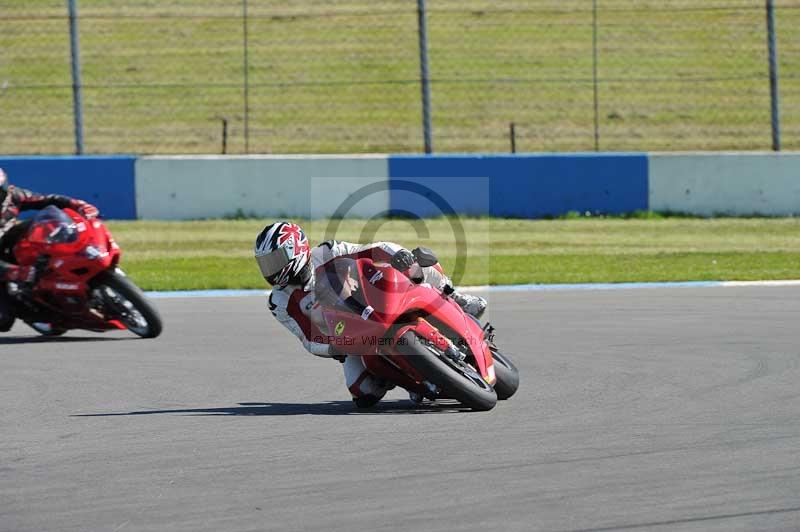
column 283, row 254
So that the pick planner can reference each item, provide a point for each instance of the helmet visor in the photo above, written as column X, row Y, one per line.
column 273, row 262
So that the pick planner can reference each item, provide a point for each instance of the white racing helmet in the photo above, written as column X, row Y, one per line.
column 283, row 254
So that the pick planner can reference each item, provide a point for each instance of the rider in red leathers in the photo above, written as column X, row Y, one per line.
column 13, row 200
column 288, row 264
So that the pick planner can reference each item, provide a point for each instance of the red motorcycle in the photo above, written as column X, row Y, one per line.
column 79, row 284
column 411, row 334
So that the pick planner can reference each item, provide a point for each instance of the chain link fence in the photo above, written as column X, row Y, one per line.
column 343, row 76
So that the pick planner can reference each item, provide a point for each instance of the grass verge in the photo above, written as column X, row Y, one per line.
column 217, row 254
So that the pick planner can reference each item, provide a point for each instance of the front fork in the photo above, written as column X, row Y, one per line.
column 443, row 343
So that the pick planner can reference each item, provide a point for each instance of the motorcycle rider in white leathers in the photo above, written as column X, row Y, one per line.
column 288, row 264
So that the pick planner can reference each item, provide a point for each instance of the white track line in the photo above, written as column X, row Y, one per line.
column 514, row 288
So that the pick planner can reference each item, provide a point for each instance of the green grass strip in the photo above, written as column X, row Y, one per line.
column 218, row 254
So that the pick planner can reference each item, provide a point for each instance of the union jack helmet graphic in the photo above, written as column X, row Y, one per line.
column 283, row 254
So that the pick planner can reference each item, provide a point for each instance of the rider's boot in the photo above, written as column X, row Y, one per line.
column 366, row 401
column 366, row 389
column 473, row 305
column 416, row 398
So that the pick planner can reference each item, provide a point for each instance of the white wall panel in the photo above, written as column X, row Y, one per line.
column 737, row 184
column 180, row 188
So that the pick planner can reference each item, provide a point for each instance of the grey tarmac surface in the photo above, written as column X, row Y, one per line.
column 643, row 409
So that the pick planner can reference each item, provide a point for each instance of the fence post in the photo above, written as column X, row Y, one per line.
column 773, row 77
column 594, row 78
column 246, row 68
column 426, row 82
column 77, row 99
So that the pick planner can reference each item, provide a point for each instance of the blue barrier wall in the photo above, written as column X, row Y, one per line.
column 107, row 182
column 524, row 186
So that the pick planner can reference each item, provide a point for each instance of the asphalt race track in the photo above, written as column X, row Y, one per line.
column 647, row 409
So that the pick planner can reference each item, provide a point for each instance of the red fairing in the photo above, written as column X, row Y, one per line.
column 398, row 306
column 66, row 256
column 436, row 305
column 78, row 250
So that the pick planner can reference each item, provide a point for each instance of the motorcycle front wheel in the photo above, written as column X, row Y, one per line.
column 459, row 381
column 507, row 375
column 125, row 302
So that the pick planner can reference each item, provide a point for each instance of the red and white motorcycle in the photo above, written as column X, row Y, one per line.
column 412, row 335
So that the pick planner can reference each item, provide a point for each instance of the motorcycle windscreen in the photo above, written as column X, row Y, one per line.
column 338, row 285
column 52, row 226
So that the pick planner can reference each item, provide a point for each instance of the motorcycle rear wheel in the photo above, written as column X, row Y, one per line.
column 126, row 302
column 455, row 381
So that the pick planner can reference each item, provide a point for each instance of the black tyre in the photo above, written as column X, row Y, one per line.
column 455, row 381
column 124, row 301
column 507, row 375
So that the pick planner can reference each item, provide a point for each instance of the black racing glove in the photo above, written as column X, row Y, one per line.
column 424, row 257
column 402, row 260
